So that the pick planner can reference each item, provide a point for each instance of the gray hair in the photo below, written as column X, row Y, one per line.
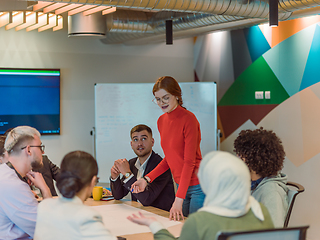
column 19, row 135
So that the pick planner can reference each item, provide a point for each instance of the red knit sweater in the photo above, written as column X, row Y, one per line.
column 180, row 140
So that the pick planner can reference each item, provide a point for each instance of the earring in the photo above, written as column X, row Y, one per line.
column 177, row 98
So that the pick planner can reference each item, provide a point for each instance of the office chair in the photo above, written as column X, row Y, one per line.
column 295, row 233
column 292, row 194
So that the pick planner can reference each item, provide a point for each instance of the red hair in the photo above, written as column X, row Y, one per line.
column 170, row 85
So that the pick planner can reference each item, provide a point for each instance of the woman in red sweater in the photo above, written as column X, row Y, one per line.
column 180, row 140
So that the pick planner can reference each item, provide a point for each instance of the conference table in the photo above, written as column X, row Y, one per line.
column 175, row 230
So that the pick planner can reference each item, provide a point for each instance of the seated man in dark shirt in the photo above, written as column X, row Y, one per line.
column 50, row 172
column 159, row 193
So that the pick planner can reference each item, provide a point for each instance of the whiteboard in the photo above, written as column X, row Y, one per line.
column 121, row 106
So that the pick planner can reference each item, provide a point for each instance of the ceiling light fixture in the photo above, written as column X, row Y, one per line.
column 60, row 23
column 43, row 19
column 41, row 5
column 5, row 18
column 52, row 22
column 94, row 10
column 67, row 8
column 31, row 19
column 109, row 10
column 17, row 19
column 53, row 7
column 80, row 9
column 45, row 15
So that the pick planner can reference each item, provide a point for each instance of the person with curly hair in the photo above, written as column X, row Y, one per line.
column 263, row 153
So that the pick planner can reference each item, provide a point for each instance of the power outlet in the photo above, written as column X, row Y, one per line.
column 259, row 94
column 267, row 95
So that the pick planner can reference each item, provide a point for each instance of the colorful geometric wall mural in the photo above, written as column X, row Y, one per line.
column 285, row 61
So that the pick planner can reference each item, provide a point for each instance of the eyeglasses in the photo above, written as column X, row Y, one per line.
column 165, row 99
column 42, row 147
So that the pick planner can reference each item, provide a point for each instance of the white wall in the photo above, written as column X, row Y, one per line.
column 214, row 63
column 84, row 62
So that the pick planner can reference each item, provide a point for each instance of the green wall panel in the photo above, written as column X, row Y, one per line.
column 257, row 77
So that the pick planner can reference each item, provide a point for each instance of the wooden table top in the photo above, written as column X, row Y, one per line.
column 175, row 230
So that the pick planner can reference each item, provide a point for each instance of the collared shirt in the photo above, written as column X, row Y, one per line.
column 24, row 179
column 18, row 206
column 141, row 168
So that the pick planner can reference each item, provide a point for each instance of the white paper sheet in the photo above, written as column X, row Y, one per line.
column 115, row 219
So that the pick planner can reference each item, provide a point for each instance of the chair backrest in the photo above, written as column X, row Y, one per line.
column 296, row 233
column 292, row 194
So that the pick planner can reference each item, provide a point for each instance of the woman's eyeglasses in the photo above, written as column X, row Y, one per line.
column 165, row 99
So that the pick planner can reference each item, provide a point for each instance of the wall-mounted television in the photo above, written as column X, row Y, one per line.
column 30, row 97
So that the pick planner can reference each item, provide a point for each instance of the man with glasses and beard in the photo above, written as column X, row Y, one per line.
column 49, row 170
column 18, row 206
column 159, row 193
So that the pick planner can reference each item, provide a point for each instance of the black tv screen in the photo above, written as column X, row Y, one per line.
column 30, row 97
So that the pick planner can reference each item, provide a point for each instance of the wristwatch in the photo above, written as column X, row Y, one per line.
column 144, row 177
column 127, row 174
